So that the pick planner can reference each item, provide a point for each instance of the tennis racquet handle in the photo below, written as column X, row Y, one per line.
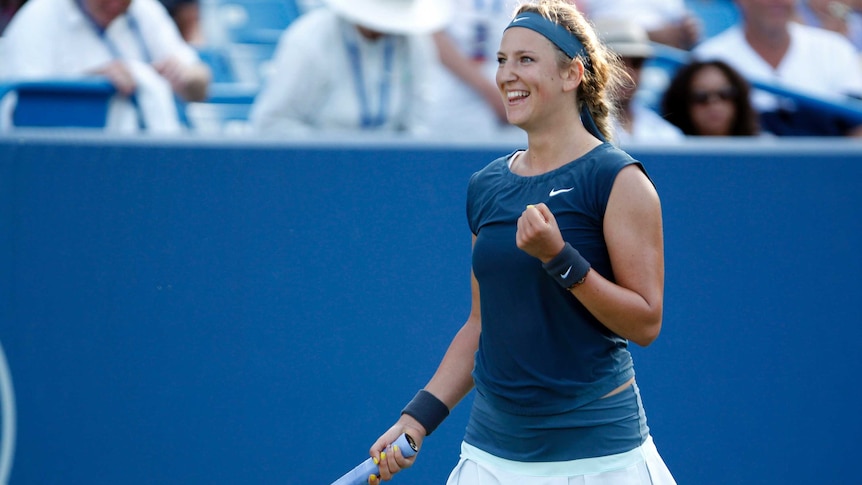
column 360, row 474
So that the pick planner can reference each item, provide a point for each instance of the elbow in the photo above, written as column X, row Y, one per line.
column 649, row 334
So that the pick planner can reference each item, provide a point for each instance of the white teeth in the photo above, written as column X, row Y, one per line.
column 517, row 94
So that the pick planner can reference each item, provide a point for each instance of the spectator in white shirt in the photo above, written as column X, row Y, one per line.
column 353, row 66
column 134, row 43
column 768, row 46
column 842, row 16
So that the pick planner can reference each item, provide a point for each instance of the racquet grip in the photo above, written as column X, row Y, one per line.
column 360, row 474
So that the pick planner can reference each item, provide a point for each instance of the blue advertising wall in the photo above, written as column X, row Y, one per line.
column 205, row 311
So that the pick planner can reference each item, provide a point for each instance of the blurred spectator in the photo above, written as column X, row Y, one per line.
column 839, row 16
column 710, row 99
column 187, row 16
column 134, row 43
column 635, row 122
column 665, row 21
column 768, row 46
column 352, row 65
column 469, row 102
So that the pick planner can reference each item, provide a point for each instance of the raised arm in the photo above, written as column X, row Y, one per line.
column 632, row 306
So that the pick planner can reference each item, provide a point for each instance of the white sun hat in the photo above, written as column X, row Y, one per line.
column 395, row 16
column 625, row 37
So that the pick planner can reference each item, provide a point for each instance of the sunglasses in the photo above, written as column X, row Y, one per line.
column 706, row 97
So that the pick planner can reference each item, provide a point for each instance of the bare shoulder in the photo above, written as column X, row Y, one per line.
column 632, row 188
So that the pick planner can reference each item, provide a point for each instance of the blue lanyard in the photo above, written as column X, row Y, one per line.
column 133, row 26
column 367, row 118
column 115, row 53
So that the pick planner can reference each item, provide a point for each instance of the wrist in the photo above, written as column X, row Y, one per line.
column 412, row 427
column 568, row 268
column 427, row 410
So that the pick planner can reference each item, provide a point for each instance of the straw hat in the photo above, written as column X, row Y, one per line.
column 395, row 16
column 626, row 38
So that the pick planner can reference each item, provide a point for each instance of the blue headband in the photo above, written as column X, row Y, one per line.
column 566, row 42
column 554, row 32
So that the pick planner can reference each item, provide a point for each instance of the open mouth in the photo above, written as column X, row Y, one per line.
column 516, row 95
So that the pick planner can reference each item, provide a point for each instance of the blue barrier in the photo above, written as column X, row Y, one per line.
column 81, row 103
column 203, row 311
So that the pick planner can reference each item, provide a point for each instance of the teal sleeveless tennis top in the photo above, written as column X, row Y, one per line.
column 543, row 359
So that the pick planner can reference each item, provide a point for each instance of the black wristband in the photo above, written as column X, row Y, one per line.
column 427, row 409
column 568, row 268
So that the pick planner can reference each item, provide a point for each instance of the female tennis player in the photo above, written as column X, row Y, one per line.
column 568, row 268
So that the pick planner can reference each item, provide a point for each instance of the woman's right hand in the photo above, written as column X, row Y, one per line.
column 538, row 234
column 391, row 461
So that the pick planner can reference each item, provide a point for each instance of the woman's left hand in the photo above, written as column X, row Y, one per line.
column 538, row 234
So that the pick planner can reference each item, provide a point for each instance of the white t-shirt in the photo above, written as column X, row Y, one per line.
column 325, row 76
column 49, row 39
column 820, row 62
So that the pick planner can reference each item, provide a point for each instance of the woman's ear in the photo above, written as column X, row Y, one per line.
column 573, row 75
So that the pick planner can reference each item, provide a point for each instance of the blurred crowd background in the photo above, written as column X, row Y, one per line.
column 417, row 69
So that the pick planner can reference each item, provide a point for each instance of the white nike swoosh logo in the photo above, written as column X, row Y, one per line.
column 520, row 19
column 554, row 192
column 566, row 274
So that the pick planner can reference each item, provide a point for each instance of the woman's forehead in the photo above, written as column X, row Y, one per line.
column 521, row 39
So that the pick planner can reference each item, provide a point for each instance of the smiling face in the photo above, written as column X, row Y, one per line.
column 106, row 11
column 530, row 79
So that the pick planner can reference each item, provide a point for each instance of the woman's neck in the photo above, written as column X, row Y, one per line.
column 551, row 149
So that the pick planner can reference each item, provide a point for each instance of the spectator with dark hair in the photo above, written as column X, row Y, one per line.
column 351, row 66
column 768, row 46
column 710, row 98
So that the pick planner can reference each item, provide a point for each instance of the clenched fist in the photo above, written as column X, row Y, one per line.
column 538, row 234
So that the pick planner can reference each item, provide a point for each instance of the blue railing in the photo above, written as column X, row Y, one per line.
column 60, row 102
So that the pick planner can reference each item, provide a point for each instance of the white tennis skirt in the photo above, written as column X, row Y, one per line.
column 640, row 466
